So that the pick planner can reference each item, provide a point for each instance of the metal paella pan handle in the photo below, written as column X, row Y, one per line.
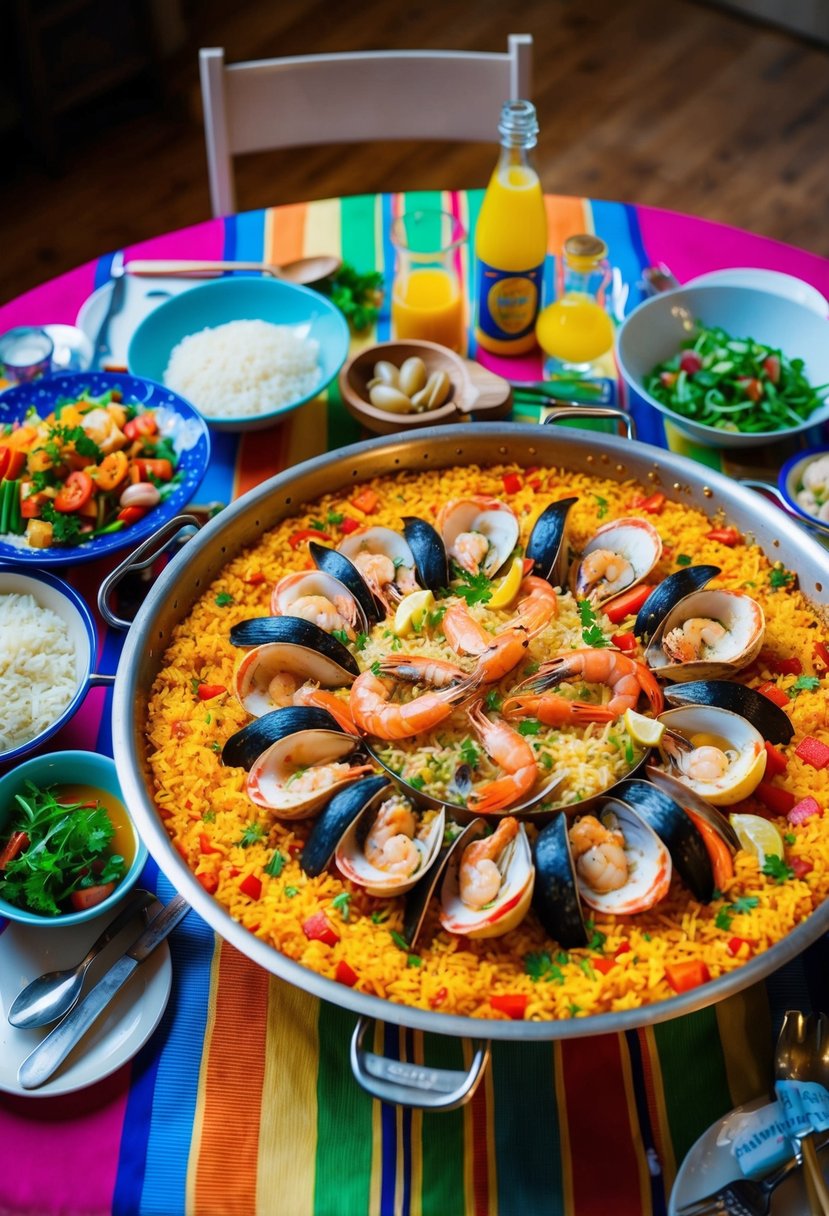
column 593, row 411
column 144, row 556
column 416, row 1085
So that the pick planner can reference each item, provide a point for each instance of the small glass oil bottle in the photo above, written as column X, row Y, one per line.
column 576, row 330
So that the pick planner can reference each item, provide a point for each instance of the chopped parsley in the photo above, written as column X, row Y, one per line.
column 290, row 892
column 417, row 782
column 375, row 669
column 493, row 700
column 780, row 576
column 591, row 630
column 803, row 684
column 334, row 517
column 474, row 588
column 789, row 838
column 223, row 599
column 253, row 833
column 540, row 967
column 602, row 504
column 377, row 918
column 399, row 941
column 66, row 526
column 341, row 903
column 414, row 960
column 434, row 618
column 597, row 938
column 741, row 906
column 470, row 754
column 340, row 635
column 209, row 817
column 745, row 903
column 274, row 866
column 361, row 641
column 778, row 869
column 682, row 559
column 529, row 726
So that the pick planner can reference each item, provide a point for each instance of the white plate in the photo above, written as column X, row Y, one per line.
column 141, row 297
column 767, row 280
column 710, row 1165
column 120, row 1031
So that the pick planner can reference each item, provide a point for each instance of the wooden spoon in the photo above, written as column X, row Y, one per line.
column 303, row 270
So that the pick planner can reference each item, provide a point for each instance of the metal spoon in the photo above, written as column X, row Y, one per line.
column 802, row 1054
column 52, row 995
column 303, row 270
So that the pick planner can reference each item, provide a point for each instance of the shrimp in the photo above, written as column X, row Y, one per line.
column 469, row 550
column 480, row 878
column 705, row 762
column 102, row 429
column 379, row 573
column 390, row 842
column 375, row 714
column 321, row 611
column 605, row 572
column 321, row 776
column 690, row 640
column 503, row 654
column 281, row 688
column 512, row 753
column 537, row 604
column 626, row 678
column 463, row 633
column 599, row 854
column 417, row 669
column 310, row 693
column 555, row 711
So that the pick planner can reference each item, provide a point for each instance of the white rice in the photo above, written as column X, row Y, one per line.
column 243, row 368
column 37, row 669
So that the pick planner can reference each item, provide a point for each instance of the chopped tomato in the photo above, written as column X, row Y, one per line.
column 296, row 538
column 821, row 652
column 812, row 752
column 770, row 690
column 31, row 500
column 786, row 667
column 131, row 515
column 622, row 948
column 690, row 362
column 775, row 798
column 684, row 976
column 251, row 886
column 726, row 536
column 12, row 463
column 651, row 506
column 512, row 483
column 209, row 881
column 88, row 897
column 771, row 366
column 255, row 578
column 735, row 945
column 348, row 525
column 719, row 854
column 624, row 641
column 111, row 471
column 345, row 974
column 801, row 866
column 440, row 996
column 751, row 386
column 160, row 469
column 669, row 379
column 776, row 762
column 141, row 424
column 803, row 811
column 75, row 492
column 367, row 501
column 205, row 845
column 626, row 604
column 206, row 692
column 318, row 928
column 513, row 1004
column 15, row 844
column 604, row 965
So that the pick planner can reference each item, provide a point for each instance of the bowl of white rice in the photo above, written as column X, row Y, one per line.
column 48, row 645
column 243, row 351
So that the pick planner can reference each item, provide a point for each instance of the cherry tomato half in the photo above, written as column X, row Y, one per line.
column 75, row 492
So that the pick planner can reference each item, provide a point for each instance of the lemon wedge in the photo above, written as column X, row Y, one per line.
column 645, row 731
column 757, row 836
column 411, row 611
column 506, row 589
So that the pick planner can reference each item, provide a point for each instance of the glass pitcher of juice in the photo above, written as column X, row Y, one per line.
column 511, row 239
column 575, row 330
column 426, row 300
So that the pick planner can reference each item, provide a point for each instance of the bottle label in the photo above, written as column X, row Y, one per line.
column 508, row 301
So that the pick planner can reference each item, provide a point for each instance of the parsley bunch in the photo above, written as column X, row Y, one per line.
column 358, row 296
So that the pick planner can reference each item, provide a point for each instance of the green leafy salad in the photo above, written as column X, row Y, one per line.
column 735, row 384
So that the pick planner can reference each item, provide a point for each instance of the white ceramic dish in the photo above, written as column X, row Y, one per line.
column 709, row 1165
column 122, row 1029
column 767, row 280
column 141, row 297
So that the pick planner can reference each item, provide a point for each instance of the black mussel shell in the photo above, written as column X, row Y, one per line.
column 417, row 899
column 690, row 800
column 772, row 723
column 546, row 538
column 243, row 748
column 338, row 566
column 682, row 840
column 336, row 818
column 293, row 631
column 556, row 898
column 426, row 544
column 668, row 593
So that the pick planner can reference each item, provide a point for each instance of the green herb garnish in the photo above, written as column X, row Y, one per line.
column 474, row 588
column 780, row 577
column 682, row 559
column 591, row 630
column 775, row 867
column 529, row 726
column 223, row 599
column 274, row 866
column 341, row 903
column 253, row 833
column 358, row 296
column 803, row 684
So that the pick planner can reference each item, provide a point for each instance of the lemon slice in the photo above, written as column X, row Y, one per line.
column 642, row 730
column 757, row 836
column 411, row 610
column 506, row 589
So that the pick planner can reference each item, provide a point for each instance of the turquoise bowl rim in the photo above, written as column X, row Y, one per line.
column 98, row 771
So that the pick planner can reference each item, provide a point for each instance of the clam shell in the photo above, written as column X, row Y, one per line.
column 650, row 871
column 546, row 546
column 353, row 864
column 429, row 553
column 257, row 668
column 771, row 721
column 317, row 582
column 244, row 747
column 741, row 617
column 489, row 516
column 632, row 538
column 512, row 902
column 719, row 727
column 336, row 818
column 380, row 540
column 268, row 780
column 668, row 593
column 557, row 900
column 337, row 564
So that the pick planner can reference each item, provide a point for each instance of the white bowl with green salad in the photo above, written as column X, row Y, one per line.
column 731, row 366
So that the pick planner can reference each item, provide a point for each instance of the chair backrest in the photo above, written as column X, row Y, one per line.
column 352, row 98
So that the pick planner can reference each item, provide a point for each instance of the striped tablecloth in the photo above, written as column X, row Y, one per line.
column 243, row 1101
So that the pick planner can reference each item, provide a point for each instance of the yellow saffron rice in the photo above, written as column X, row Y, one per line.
column 225, row 838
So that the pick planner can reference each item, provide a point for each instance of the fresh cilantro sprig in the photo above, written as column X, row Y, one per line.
column 803, row 684
column 540, row 967
column 358, row 296
column 474, row 588
column 777, row 868
column 742, row 905
column 253, row 833
column 779, row 576
column 591, row 630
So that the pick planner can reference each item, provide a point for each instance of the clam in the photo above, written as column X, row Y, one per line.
column 621, row 554
column 556, row 898
column 332, row 562
column 336, row 818
column 665, row 809
column 429, row 552
column 488, row 883
column 322, row 599
column 479, row 533
column 621, row 865
column 713, row 752
column 384, row 559
column 244, row 747
column 294, row 631
column 708, row 633
column 270, row 674
column 390, row 845
column 299, row 773
column 668, row 593
column 771, row 721
column 546, row 547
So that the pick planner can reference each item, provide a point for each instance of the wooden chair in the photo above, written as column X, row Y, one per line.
column 353, row 97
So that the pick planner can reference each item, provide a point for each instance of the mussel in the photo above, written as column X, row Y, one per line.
column 546, row 547
column 244, row 747
column 617, row 557
column 385, row 560
column 556, row 897
column 671, row 810
column 390, row 845
column 488, row 883
column 293, row 631
column 769, row 719
column 298, row 774
column 274, row 674
column 479, row 533
column 429, row 552
column 331, row 561
column 709, row 633
column 667, row 595
column 621, row 865
column 322, row 599
column 336, row 818
column 712, row 751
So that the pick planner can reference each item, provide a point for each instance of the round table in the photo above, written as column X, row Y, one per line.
column 243, row 1102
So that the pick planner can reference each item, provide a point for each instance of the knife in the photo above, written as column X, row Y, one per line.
column 115, row 303
column 53, row 1050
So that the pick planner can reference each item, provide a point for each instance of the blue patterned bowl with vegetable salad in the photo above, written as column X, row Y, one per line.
column 733, row 367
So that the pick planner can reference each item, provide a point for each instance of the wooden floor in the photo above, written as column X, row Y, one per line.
column 668, row 102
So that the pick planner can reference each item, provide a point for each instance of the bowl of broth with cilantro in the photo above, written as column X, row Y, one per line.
column 69, row 850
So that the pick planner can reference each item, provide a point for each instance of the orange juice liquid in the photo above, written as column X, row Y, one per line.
column 510, row 238
column 575, row 329
column 427, row 305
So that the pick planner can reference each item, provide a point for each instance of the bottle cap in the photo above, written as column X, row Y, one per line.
column 584, row 251
column 518, row 126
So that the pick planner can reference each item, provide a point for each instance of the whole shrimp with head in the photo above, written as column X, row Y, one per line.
column 626, row 678
column 513, row 754
column 375, row 713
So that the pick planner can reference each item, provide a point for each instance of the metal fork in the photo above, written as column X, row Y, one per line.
column 742, row 1197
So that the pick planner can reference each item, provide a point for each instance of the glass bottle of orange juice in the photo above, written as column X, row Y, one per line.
column 511, row 239
column 575, row 330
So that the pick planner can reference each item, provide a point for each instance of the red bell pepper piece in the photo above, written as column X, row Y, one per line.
column 622, row 948
column 812, row 751
column 131, row 515
column 803, row 811
column 318, row 928
column 205, row 844
column 726, row 536
column 770, row 690
column 821, row 652
column 251, row 886
column 624, row 642
column 801, row 866
column 255, row 578
column 367, row 501
column 345, row 974
column 513, row 1004
column 296, row 539
column 684, row 976
column 734, row 945
column 786, row 667
column 206, row 692
column 15, row 844
column 440, row 996
column 603, row 964
column 13, row 462
column 209, row 881
column 348, row 524
column 775, row 798
column 512, row 483
column 776, row 762
column 652, row 505
column 626, row 604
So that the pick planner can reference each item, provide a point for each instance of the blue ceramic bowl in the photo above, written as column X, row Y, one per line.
column 241, row 298
column 69, row 768
column 184, row 426
column 655, row 330
column 790, row 481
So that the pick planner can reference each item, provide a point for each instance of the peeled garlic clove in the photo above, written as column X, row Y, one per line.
column 412, row 376
column 386, row 373
column 436, row 392
column 386, row 397
column 140, row 494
